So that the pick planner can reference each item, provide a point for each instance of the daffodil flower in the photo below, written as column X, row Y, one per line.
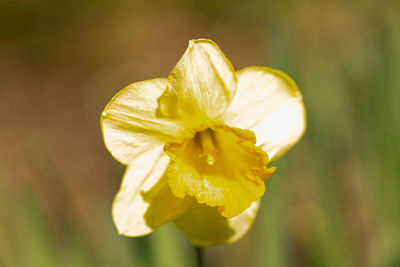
column 196, row 145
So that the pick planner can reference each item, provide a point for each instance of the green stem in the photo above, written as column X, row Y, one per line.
column 199, row 256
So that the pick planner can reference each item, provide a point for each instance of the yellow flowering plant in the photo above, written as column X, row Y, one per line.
column 197, row 145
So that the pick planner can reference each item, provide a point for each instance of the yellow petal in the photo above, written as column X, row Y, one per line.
column 220, row 167
column 131, row 122
column 201, row 85
column 145, row 201
column 269, row 103
column 204, row 226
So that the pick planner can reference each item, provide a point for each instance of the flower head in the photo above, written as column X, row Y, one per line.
column 197, row 144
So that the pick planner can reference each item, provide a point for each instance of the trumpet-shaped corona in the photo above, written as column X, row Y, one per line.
column 197, row 145
column 221, row 167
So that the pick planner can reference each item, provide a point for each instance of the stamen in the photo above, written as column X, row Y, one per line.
column 207, row 144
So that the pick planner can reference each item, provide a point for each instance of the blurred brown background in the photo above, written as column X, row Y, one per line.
column 334, row 200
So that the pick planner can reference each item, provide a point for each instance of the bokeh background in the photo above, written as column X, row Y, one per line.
column 335, row 198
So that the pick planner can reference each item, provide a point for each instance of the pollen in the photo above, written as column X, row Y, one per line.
column 206, row 139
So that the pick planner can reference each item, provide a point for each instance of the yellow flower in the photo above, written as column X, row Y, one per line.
column 196, row 145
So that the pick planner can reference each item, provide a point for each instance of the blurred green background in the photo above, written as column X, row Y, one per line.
column 334, row 200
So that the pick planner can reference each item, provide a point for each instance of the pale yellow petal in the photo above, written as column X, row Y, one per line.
column 131, row 122
column 145, row 201
column 204, row 226
column 201, row 85
column 269, row 103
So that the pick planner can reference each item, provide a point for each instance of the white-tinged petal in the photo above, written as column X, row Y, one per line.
column 145, row 201
column 131, row 122
column 269, row 103
column 201, row 85
column 204, row 226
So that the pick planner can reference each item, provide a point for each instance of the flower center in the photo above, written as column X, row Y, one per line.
column 221, row 167
column 206, row 139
